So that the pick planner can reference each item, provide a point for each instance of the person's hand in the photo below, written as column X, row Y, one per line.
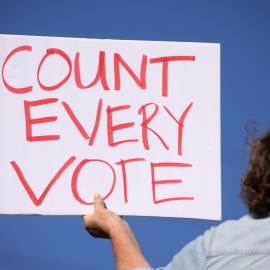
column 103, row 221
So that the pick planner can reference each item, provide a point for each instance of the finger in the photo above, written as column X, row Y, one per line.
column 98, row 201
column 87, row 218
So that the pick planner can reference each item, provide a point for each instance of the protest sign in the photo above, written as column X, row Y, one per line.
column 136, row 121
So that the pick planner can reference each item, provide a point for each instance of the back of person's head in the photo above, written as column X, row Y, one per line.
column 255, row 183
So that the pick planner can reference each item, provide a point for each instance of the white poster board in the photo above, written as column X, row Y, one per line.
column 136, row 121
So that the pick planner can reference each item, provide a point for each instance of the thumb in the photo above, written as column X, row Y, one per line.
column 98, row 201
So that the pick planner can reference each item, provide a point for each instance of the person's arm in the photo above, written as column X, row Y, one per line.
column 103, row 223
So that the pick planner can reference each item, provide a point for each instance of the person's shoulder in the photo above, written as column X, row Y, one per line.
column 233, row 236
column 244, row 223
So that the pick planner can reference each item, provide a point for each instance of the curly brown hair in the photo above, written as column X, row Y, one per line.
column 255, row 183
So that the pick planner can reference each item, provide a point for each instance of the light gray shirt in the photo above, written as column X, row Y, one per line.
column 241, row 244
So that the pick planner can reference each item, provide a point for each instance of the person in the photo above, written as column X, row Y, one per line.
column 241, row 244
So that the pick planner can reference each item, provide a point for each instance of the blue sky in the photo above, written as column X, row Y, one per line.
column 242, row 28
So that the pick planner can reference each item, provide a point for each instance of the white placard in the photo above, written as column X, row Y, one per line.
column 136, row 121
